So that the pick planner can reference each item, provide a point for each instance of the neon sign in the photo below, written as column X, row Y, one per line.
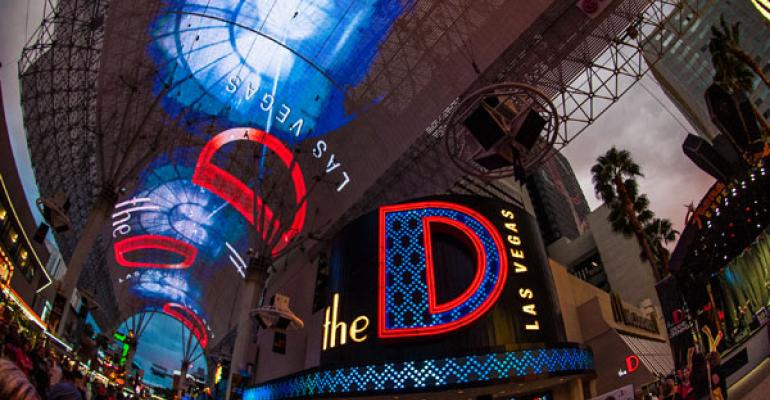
column 632, row 364
column 407, row 269
column 239, row 195
column 334, row 328
column 285, row 66
column 527, row 295
column 431, row 374
column 448, row 270
column 125, row 347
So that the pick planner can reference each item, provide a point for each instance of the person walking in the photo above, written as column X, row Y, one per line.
column 14, row 383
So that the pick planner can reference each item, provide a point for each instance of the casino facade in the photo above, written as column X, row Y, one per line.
column 447, row 297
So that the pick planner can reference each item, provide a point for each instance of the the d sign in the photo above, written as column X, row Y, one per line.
column 407, row 302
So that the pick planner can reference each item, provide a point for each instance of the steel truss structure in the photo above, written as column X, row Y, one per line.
column 59, row 69
column 87, row 136
column 584, row 65
column 585, row 70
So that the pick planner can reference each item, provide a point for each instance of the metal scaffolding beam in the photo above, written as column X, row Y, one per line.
column 585, row 67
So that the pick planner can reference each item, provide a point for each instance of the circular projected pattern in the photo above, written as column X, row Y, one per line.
column 283, row 66
column 189, row 213
column 164, row 286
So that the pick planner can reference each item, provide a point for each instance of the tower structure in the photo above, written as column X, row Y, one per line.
column 686, row 70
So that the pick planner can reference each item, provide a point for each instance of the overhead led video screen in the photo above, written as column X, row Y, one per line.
column 284, row 66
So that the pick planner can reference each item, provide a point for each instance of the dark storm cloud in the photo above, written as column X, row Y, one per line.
column 641, row 125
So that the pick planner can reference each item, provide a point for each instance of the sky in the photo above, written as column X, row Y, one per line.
column 161, row 344
column 637, row 123
column 654, row 136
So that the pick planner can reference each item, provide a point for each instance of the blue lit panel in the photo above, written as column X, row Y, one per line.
column 166, row 204
column 283, row 66
column 188, row 212
column 406, row 288
column 436, row 374
column 164, row 286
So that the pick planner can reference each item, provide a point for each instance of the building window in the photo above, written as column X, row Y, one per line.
column 21, row 259
column 591, row 270
column 10, row 239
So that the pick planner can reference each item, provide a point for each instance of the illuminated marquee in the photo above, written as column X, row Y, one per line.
column 431, row 374
column 448, row 271
column 6, row 269
column 407, row 298
column 239, row 195
column 431, row 295
column 284, row 66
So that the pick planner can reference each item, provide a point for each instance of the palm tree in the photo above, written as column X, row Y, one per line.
column 660, row 232
column 735, row 68
column 614, row 177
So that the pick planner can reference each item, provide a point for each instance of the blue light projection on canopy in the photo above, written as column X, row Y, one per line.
column 188, row 212
column 284, row 66
column 172, row 237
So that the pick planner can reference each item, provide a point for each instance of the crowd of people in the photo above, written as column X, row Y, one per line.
column 703, row 379
column 32, row 369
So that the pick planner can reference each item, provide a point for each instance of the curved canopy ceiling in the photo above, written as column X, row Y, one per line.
column 234, row 125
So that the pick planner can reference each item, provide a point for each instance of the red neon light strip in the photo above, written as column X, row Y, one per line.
column 237, row 193
column 189, row 319
column 158, row 242
column 481, row 262
column 382, row 330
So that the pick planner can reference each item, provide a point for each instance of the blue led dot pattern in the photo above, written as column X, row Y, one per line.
column 436, row 374
column 406, row 288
